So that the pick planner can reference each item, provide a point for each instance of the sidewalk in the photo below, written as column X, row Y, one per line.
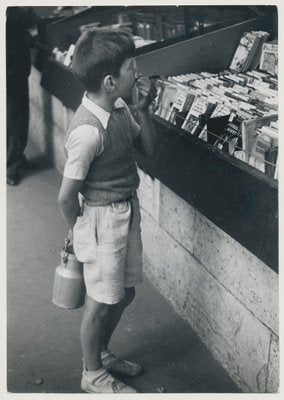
column 43, row 340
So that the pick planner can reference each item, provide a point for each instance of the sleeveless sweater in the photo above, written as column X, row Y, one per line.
column 113, row 174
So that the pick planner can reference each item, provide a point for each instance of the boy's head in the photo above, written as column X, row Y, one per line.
column 100, row 55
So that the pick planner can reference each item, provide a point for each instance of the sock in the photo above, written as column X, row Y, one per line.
column 96, row 372
column 93, row 375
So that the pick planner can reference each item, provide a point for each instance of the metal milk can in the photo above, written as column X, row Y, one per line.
column 69, row 287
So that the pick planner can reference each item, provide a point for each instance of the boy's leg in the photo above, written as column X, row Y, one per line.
column 92, row 331
column 96, row 378
column 132, row 277
column 114, row 315
column 110, row 361
column 104, row 278
column 103, row 274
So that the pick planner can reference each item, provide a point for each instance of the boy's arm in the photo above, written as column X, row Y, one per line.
column 146, row 142
column 83, row 145
column 69, row 202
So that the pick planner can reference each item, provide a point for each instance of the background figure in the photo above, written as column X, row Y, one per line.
column 18, row 66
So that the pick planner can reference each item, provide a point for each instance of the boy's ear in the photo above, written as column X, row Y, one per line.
column 109, row 83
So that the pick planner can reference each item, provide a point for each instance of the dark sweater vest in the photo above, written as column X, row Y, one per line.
column 113, row 174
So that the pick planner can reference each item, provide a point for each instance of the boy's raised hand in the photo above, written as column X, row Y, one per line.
column 146, row 92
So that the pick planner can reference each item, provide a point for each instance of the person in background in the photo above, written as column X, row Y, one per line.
column 18, row 66
column 101, row 167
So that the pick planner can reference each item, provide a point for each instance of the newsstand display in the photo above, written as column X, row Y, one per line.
column 216, row 113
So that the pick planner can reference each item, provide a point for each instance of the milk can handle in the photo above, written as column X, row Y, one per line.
column 65, row 253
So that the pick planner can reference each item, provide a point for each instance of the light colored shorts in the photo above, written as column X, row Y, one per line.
column 107, row 239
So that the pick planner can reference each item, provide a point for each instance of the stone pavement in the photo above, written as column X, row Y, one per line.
column 43, row 347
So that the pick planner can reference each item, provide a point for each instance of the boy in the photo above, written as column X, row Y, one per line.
column 100, row 167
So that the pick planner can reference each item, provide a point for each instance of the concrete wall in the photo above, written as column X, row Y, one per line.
column 226, row 294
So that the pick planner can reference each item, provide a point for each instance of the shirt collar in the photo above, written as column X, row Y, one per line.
column 98, row 111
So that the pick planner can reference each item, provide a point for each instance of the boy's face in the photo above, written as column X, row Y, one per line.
column 127, row 78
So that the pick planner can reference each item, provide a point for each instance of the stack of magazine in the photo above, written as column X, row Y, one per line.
column 243, row 106
column 269, row 58
column 248, row 52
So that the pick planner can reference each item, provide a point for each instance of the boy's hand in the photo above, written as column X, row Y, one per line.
column 146, row 93
column 70, row 236
column 69, row 242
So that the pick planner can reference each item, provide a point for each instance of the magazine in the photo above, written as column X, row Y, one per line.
column 248, row 51
column 242, row 52
column 260, row 145
column 200, row 111
column 181, row 105
column 166, row 96
column 269, row 58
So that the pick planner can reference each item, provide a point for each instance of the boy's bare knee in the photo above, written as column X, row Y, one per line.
column 94, row 309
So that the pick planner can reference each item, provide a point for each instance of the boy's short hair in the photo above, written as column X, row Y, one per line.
column 101, row 53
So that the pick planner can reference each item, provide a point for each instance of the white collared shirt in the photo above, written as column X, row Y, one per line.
column 85, row 142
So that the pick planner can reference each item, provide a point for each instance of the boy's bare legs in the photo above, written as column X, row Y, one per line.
column 114, row 315
column 95, row 377
column 110, row 361
column 98, row 323
column 92, row 332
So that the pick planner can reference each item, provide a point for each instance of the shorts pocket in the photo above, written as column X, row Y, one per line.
column 113, row 224
column 84, row 244
column 82, row 230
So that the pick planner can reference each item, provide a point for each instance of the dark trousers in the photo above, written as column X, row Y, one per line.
column 17, row 123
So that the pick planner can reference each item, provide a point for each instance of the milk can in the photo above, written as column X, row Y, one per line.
column 69, row 287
